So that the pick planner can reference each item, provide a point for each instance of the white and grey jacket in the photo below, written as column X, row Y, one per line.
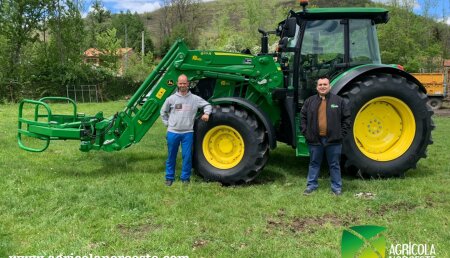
column 178, row 112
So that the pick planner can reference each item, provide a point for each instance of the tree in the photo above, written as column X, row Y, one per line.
column 236, row 26
column 409, row 39
column 129, row 29
column 108, row 45
column 19, row 21
column 53, row 61
column 97, row 21
column 66, row 26
column 139, row 69
column 180, row 19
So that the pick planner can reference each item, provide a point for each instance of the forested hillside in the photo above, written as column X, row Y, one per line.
column 42, row 43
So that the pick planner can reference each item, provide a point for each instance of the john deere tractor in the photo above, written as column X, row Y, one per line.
column 257, row 99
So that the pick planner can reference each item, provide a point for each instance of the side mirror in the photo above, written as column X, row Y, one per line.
column 290, row 27
column 282, row 44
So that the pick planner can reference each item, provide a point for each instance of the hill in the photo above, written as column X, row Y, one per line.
column 207, row 12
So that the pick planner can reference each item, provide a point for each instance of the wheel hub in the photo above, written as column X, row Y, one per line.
column 226, row 145
column 223, row 147
column 384, row 128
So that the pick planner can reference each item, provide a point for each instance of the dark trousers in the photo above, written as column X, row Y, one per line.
column 333, row 155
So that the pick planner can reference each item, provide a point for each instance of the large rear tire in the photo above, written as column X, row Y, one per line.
column 231, row 147
column 391, row 126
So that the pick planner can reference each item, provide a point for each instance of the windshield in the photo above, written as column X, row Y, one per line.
column 323, row 45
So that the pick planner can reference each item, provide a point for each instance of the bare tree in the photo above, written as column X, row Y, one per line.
column 180, row 19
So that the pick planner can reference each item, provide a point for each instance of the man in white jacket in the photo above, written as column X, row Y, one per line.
column 178, row 114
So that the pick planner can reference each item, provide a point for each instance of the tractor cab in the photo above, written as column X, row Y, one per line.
column 327, row 42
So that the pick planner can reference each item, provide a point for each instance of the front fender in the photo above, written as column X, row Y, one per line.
column 262, row 116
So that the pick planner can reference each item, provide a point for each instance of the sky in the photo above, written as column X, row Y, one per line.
column 438, row 10
column 139, row 6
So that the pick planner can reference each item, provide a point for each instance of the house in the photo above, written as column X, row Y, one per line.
column 93, row 56
column 446, row 62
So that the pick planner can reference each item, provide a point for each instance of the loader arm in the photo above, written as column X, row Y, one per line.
column 133, row 122
column 97, row 132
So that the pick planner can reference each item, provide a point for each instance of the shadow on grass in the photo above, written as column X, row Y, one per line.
column 282, row 166
column 117, row 163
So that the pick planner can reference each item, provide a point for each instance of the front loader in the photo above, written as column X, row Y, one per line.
column 257, row 100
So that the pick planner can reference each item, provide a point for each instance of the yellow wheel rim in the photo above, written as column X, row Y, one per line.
column 384, row 128
column 223, row 147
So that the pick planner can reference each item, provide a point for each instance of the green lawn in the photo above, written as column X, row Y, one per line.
column 63, row 201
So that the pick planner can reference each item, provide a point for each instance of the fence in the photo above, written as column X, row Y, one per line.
column 83, row 93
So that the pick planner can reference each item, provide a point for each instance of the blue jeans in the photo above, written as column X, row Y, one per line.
column 333, row 154
column 173, row 143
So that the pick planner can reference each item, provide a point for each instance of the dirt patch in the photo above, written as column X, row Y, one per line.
column 432, row 201
column 306, row 224
column 138, row 231
column 95, row 245
column 400, row 206
column 199, row 243
column 311, row 224
column 429, row 201
column 442, row 112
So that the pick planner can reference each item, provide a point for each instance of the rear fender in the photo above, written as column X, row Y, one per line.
column 341, row 83
column 262, row 116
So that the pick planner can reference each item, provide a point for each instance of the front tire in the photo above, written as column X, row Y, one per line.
column 391, row 125
column 231, row 148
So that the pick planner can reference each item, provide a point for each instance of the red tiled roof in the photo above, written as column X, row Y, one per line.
column 93, row 52
column 122, row 51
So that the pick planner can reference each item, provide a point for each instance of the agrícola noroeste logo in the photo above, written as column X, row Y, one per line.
column 368, row 242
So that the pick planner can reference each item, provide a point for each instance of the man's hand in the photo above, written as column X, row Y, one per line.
column 205, row 117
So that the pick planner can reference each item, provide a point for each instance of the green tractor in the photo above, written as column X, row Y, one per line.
column 257, row 100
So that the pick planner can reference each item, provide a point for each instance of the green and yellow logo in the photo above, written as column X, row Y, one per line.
column 363, row 242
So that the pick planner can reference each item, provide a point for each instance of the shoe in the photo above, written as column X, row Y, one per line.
column 308, row 191
column 337, row 193
column 169, row 182
column 185, row 181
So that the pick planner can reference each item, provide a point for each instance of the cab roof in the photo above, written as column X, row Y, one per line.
column 378, row 15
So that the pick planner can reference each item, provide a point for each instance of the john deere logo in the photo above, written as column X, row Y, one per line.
column 363, row 242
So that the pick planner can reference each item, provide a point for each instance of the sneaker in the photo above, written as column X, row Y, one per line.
column 337, row 193
column 308, row 191
column 169, row 182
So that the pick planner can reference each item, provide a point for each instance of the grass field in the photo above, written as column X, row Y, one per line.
column 63, row 201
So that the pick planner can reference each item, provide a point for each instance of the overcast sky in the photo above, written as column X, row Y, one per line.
column 439, row 9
